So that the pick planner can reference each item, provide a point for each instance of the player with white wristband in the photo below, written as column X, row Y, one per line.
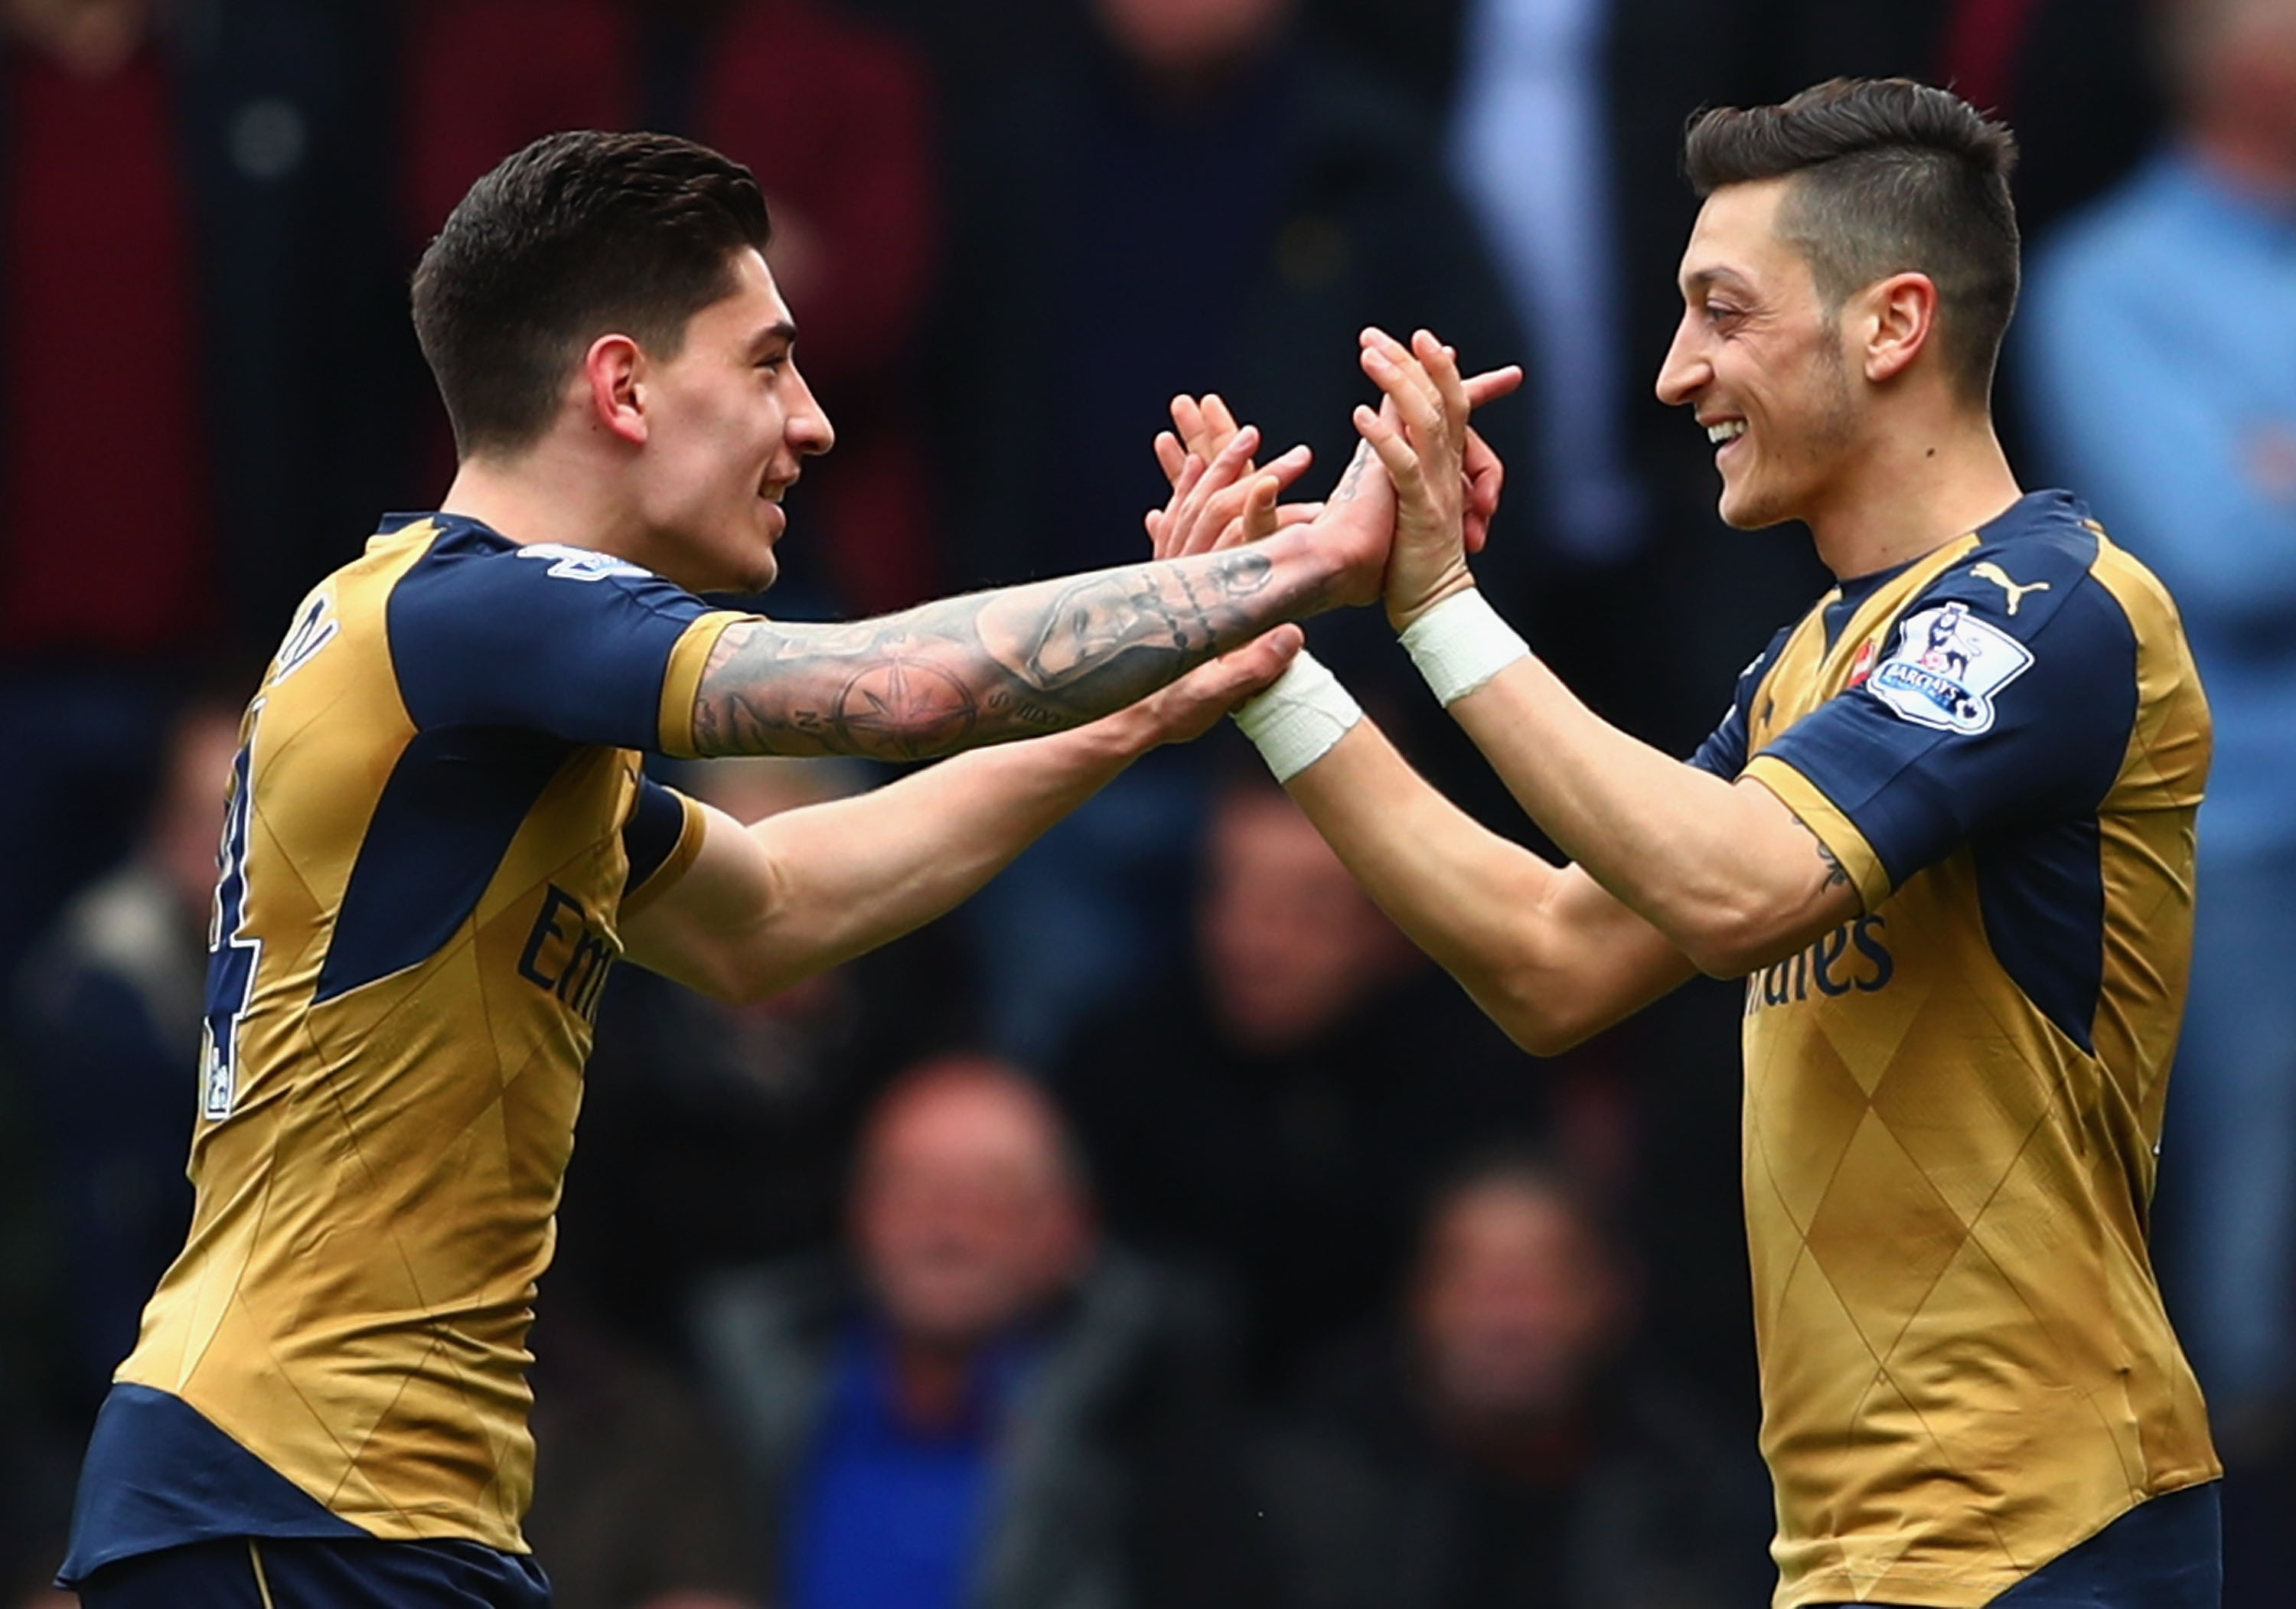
column 1945, row 832
column 1672, row 869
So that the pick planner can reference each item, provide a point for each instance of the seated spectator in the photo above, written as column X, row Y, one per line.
column 1500, row 1452
column 1275, row 1111
column 712, row 1133
column 107, row 1031
column 103, row 1065
column 981, row 1404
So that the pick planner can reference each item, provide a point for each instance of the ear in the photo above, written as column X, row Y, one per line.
column 612, row 369
column 1898, row 322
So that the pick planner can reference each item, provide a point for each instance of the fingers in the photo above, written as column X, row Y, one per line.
column 1486, row 476
column 1400, row 373
column 1492, row 384
column 1188, row 422
column 1243, row 513
column 1409, row 398
column 1170, row 452
column 1259, row 517
column 1203, row 501
column 1205, row 425
column 1289, row 465
column 1385, row 437
column 1442, row 365
column 1216, row 414
column 1189, row 707
column 1264, row 658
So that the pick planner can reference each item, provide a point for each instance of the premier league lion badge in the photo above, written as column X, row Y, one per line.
column 1947, row 666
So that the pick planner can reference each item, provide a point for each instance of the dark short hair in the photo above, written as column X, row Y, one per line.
column 1890, row 177
column 578, row 235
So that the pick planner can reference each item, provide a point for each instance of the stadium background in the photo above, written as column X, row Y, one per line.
column 1010, row 230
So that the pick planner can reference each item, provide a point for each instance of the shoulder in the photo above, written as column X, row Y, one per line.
column 2027, row 598
column 2029, row 569
column 468, row 569
column 1759, row 667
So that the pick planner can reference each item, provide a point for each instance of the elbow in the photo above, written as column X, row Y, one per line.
column 1538, row 1011
column 1730, row 942
column 737, row 974
column 1544, row 1038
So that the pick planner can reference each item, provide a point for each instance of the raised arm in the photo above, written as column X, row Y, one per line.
column 1034, row 659
column 1547, row 953
column 1723, row 870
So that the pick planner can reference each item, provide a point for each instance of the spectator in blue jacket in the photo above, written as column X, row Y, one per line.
column 2161, row 332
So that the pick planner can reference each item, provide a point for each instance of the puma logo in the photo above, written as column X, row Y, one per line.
column 1990, row 571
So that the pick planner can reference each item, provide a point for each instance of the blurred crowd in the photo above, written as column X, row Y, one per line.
column 1161, row 1228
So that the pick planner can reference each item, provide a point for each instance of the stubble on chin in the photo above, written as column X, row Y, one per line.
column 1802, row 461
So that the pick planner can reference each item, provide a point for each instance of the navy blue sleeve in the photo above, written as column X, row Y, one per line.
column 650, row 837
column 1723, row 752
column 2004, row 698
column 547, row 639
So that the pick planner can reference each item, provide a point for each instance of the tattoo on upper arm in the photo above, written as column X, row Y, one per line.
column 1836, row 875
column 986, row 666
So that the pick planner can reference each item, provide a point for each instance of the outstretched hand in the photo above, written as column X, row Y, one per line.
column 1191, row 706
column 1220, row 497
column 1446, row 478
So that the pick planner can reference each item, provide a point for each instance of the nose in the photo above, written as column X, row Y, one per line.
column 808, row 429
column 1685, row 371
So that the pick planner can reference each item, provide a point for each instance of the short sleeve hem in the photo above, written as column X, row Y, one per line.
column 1829, row 821
column 681, row 686
column 675, row 864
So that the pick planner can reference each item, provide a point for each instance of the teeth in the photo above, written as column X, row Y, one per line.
column 1729, row 429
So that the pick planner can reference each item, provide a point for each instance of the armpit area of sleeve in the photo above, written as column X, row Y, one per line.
column 681, row 683
column 675, row 864
column 1822, row 817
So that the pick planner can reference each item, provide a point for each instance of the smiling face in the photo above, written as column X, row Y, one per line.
column 729, row 421
column 967, row 1214
column 1762, row 362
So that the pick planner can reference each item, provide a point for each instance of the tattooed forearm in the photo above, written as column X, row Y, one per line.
column 995, row 665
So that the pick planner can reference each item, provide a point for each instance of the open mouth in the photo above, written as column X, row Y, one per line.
column 1722, row 432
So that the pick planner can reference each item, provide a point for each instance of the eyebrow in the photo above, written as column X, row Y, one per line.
column 785, row 331
column 1705, row 278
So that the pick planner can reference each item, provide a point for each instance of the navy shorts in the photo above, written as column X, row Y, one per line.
column 298, row 1572
column 2165, row 1553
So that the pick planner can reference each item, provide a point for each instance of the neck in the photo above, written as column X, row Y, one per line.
column 931, row 1381
column 1915, row 488
column 542, row 496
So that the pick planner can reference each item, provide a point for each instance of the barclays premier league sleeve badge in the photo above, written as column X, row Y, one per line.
column 1947, row 668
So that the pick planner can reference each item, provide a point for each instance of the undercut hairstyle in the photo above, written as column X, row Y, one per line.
column 1888, row 177
column 577, row 236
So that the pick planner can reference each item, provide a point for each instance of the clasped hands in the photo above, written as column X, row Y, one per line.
column 1415, row 500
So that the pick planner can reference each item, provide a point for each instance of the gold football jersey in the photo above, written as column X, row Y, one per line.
column 437, row 819
column 1953, row 1103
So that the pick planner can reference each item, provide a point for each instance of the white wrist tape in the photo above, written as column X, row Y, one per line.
column 1299, row 718
column 1461, row 644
